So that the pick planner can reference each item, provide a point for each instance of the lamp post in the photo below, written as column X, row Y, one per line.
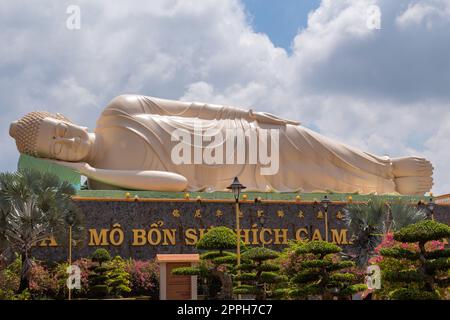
column 70, row 221
column 325, row 204
column 431, row 206
column 236, row 187
column 262, row 220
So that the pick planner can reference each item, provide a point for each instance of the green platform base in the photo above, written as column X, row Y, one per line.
column 307, row 197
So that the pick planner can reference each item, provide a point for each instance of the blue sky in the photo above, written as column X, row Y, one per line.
column 280, row 20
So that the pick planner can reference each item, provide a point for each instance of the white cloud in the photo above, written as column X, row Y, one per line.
column 424, row 13
column 385, row 91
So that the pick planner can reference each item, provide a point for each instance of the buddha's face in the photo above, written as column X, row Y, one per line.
column 63, row 141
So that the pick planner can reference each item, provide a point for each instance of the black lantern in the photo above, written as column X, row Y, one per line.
column 262, row 220
column 431, row 206
column 325, row 202
column 236, row 187
column 70, row 219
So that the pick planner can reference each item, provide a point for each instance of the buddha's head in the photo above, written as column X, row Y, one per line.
column 46, row 135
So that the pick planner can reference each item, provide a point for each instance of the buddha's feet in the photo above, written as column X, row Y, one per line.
column 413, row 175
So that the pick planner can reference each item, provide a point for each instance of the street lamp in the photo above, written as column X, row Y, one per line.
column 262, row 220
column 431, row 206
column 236, row 187
column 70, row 221
column 325, row 204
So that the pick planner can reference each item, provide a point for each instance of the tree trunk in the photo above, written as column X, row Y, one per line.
column 429, row 278
column 260, row 288
column 389, row 219
column 226, row 292
column 25, row 272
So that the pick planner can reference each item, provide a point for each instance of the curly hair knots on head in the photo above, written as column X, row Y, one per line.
column 25, row 130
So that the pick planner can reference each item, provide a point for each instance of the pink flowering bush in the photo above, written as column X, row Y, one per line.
column 144, row 277
column 84, row 265
column 61, row 276
column 389, row 242
column 50, row 282
column 435, row 245
column 43, row 282
column 389, row 265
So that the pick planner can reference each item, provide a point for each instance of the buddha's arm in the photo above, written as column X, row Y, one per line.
column 136, row 104
column 131, row 179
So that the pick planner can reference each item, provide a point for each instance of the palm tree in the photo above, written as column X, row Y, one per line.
column 368, row 223
column 403, row 215
column 33, row 206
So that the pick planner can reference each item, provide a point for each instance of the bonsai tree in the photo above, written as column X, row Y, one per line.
column 98, row 277
column 425, row 271
column 34, row 206
column 321, row 273
column 217, row 261
column 118, row 278
column 259, row 272
column 368, row 223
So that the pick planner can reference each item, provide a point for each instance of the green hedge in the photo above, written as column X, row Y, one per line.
column 186, row 271
column 423, row 231
column 399, row 253
column 306, row 276
column 318, row 247
column 268, row 267
column 260, row 254
column 316, row 263
column 248, row 276
column 342, row 277
column 404, row 276
column 218, row 238
column 413, row 294
column 438, row 254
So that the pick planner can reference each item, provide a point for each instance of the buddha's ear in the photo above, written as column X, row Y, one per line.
column 13, row 129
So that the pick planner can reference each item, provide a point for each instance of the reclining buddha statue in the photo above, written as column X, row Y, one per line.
column 146, row 143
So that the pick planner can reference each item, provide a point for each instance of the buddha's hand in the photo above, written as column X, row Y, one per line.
column 82, row 167
column 265, row 117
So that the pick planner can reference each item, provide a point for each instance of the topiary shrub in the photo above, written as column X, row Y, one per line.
column 100, row 256
column 217, row 262
column 413, row 271
column 218, row 238
column 322, row 274
column 98, row 276
column 259, row 273
column 119, row 280
column 422, row 232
